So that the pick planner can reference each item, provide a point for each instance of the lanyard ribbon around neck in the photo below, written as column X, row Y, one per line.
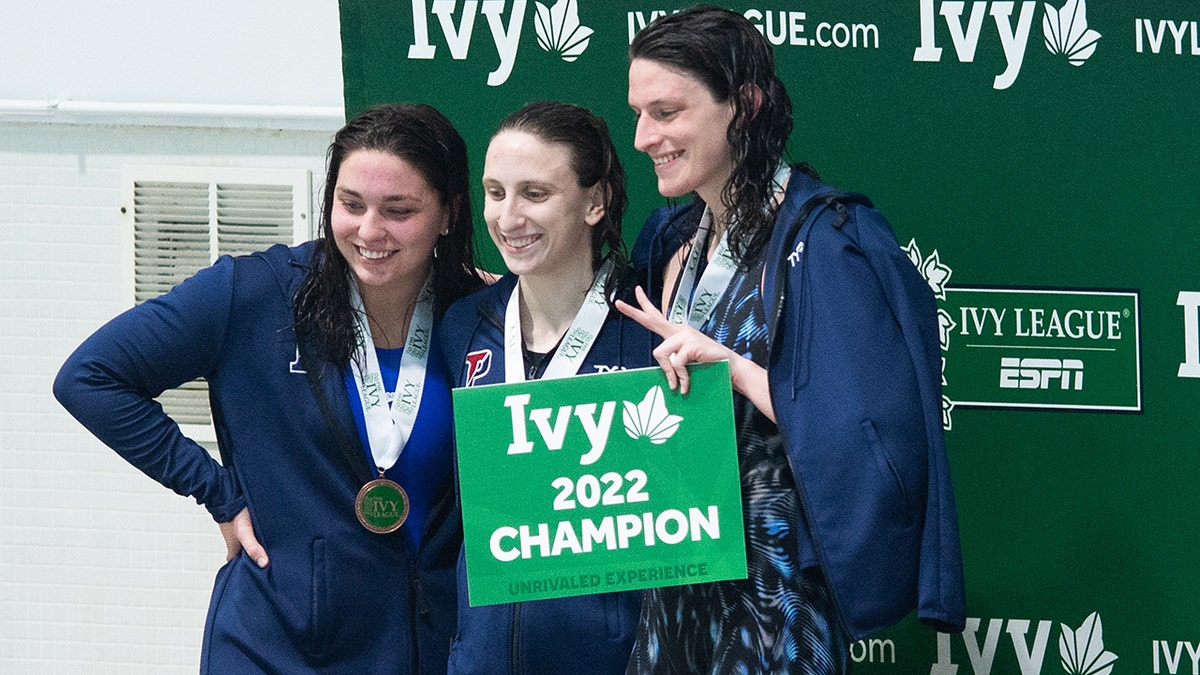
column 576, row 342
column 388, row 430
column 695, row 299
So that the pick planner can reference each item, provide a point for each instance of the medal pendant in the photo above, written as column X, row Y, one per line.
column 381, row 506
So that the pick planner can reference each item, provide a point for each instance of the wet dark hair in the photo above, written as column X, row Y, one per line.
column 594, row 160
column 726, row 53
column 423, row 137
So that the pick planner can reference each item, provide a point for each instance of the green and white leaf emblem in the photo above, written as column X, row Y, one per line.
column 1082, row 650
column 936, row 274
column 1066, row 32
column 559, row 32
column 931, row 268
column 946, row 326
column 650, row 419
column 947, row 408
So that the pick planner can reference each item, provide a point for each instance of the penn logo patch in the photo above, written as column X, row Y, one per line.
column 478, row 364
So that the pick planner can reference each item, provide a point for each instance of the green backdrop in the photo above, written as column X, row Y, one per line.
column 1040, row 175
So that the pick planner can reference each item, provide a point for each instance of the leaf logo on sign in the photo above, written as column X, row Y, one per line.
column 1082, row 650
column 650, row 419
column 936, row 274
column 1067, row 33
column 559, row 31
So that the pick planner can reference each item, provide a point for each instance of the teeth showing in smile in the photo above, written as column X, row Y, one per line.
column 520, row 242
column 373, row 255
column 666, row 158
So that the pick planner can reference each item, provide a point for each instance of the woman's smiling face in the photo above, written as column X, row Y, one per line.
column 536, row 212
column 385, row 219
column 682, row 128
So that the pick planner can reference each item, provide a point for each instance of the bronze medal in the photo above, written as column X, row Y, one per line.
column 381, row 506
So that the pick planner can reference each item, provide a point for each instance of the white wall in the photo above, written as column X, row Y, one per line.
column 102, row 570
column 273, row 52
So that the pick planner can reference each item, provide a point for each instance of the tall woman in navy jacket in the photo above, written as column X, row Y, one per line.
column 832, row 339
column 283, row 339
column 554, row 191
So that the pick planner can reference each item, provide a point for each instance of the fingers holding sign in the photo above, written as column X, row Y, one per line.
column 681, row 344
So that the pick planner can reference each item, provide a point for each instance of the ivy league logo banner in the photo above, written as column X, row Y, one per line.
column 598, row 483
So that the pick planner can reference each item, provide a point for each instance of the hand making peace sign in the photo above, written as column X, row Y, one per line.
column 683, row 344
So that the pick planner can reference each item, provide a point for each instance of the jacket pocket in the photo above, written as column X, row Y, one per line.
column 318, row 622
column 887, row 469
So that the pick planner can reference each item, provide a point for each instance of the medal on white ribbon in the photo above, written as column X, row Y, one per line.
column 382, row 505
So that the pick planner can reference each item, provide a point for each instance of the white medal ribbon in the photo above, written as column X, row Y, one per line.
column 694, row 307
column 388, row 430
column 576, row 343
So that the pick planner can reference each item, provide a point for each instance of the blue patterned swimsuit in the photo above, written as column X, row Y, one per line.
column 781, row 618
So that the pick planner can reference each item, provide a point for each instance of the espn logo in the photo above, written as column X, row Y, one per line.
column 1032, row 373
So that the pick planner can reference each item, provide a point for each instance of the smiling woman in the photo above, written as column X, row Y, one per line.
column 555, row 193
column 386, row 219
column 675, row 118
column 302, row 348
column 539, row 216
column 831, row 336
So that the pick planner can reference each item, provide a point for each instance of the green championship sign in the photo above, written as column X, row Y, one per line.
column 598, row 483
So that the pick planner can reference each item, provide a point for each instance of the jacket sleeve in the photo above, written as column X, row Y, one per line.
column 941, row 593
column 110, row 382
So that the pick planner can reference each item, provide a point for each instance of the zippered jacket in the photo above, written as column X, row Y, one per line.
column 855, row 381
column 335, row 597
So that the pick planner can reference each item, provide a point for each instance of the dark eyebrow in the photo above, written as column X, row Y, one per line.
column 658, row 101
column 390, row 198
column 545, row 185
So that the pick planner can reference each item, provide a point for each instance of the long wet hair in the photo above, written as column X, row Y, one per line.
column 594, row 160
column 725, row 52
column 424, row 138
